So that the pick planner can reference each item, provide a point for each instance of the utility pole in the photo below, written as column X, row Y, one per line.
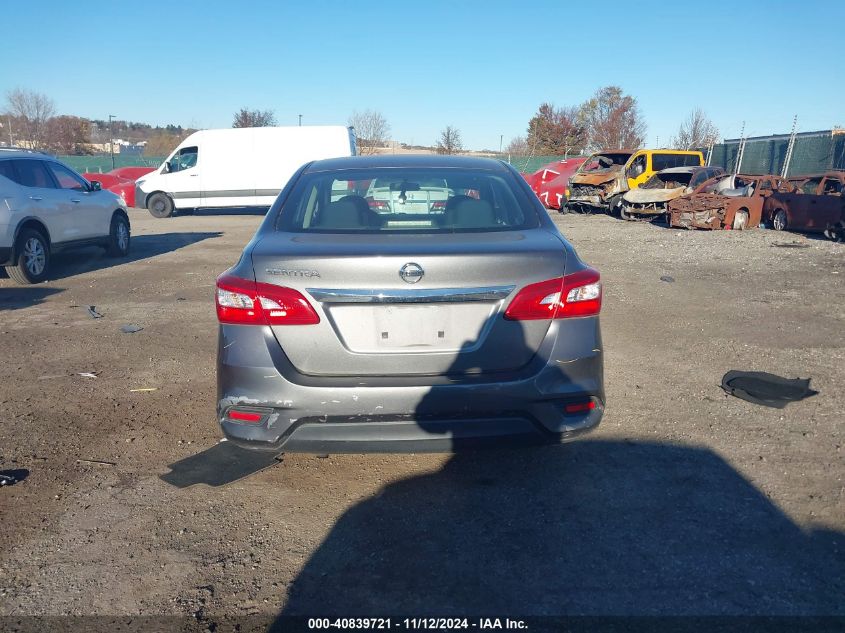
column 300, row 120
column 9, row 119
column 111, row 138
column 740, row 149
column 789, row 148
column 501, row 138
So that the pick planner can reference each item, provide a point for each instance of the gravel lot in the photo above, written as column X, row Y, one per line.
column 683, row 501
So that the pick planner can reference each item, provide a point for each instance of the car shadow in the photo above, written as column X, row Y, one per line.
column 17, row 297
column 228, row 211
column 75, row 262
column 593, row 527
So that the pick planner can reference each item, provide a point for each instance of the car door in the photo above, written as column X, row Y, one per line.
column 43, row 199
column 826, row 208
column 802, row 209
column 182, row 178
column 86, row 217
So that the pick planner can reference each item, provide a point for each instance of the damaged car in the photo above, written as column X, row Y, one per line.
column 648, row 202
column 725, row 202
column 815, row 204
column 603, row 179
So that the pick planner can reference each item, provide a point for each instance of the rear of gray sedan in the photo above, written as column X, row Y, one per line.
column 352, row 326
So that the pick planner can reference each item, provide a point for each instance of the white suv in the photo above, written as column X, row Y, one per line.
column 46, row 206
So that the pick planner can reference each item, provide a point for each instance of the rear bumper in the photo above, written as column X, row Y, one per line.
column 404, row 414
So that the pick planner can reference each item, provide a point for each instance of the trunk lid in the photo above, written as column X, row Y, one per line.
column 448, row 321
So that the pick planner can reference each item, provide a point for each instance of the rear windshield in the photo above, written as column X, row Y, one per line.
column 429, row 200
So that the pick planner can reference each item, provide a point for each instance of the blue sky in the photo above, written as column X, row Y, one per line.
column 483, row 67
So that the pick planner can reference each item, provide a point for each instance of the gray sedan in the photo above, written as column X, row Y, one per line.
column 348, row 326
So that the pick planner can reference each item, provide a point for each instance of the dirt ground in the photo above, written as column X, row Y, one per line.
column 684, row 501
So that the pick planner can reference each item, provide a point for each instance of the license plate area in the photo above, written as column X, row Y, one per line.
column 394, row 328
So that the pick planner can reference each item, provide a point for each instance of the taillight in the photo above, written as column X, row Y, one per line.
column 244, row 302
column 380, row 206
column 575, row 295
column 440, row 205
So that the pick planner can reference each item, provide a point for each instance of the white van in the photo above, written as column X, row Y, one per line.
column 237, row 167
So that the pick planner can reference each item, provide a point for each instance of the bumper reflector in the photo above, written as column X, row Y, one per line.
column 244, row 416
column 579, row 407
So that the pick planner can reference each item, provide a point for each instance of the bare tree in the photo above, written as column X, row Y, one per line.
column 69, row 135
column 372, row 131
column 33, row 110
column 612, row 120
column 254, row 118
column 517, row 146
column 556, row 131
column 696, row 131
column 450, row 141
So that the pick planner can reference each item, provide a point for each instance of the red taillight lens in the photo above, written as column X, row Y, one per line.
column 244, row 302
column 579, row 407
column 244, row 416
column 575, row 295
column 382, row 206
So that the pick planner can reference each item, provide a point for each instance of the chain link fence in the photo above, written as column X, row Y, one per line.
column 813, row 152
column 101, row 163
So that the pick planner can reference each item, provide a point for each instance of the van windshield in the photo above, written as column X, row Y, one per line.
column 413, row 200
column 605, row 160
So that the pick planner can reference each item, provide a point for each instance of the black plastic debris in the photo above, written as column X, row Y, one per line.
column 130, row 329
column 667, row 279
column 92, row 310
column 769, row 390
column 11, row 477
column 219, row 465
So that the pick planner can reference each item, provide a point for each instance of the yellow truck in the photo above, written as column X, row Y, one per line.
column 602, row 180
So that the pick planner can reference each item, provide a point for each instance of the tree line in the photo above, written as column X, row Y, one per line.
column 610, row 119
column 30, row 120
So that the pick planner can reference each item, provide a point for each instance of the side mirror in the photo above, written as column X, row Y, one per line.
column 96, row 186
column 165, row 169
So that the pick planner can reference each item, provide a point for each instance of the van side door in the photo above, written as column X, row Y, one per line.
column 181, row 177
column 638, row 170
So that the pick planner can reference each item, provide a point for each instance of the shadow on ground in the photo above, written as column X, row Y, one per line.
column 592, row 527
column 75, row 262
column 17, row 297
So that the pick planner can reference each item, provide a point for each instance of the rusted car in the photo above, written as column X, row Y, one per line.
column 725, row 202
column 649, row 201
column 600, row 182
column 816, row 205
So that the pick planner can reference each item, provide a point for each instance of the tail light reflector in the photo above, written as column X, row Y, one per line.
column 579, row 407
column 245, row 302
column 244, row 416
column 574, row 295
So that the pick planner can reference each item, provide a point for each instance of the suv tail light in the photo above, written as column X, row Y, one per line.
column 575, row 295
column 244, row 302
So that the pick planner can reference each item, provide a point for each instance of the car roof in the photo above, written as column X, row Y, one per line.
column 17, row 152
column 682, row 170
column 407, row 160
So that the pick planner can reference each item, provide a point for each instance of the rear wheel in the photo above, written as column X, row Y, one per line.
column 740, row 220
column 779, row 220
column 160, row 205
column 615, row 205
column 118, row 236
column 32, row 258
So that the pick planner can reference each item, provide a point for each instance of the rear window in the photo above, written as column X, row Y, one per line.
column 7, row 170
column 388, row 200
